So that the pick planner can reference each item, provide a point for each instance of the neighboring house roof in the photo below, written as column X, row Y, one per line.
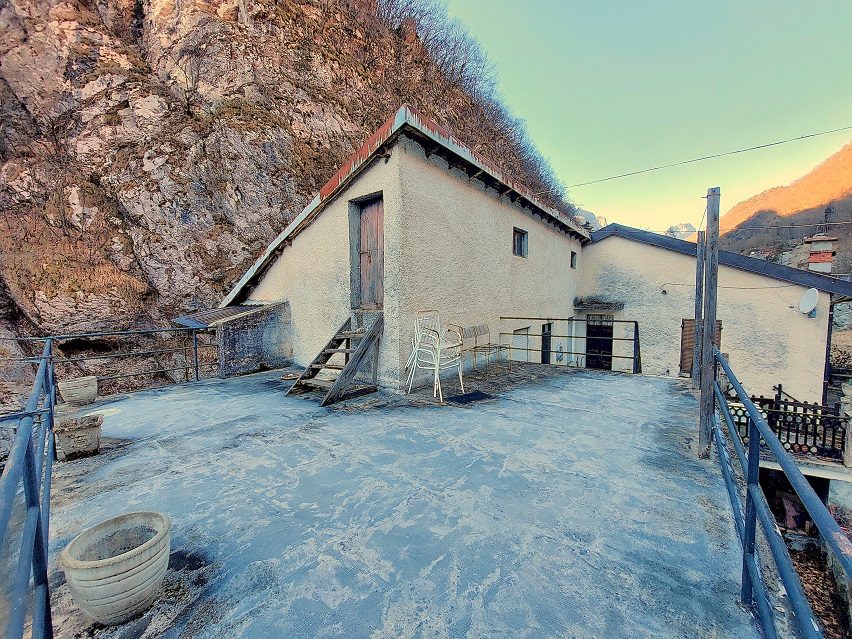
column 819, row 238
column 436, row 141
column 820, row 257
column 809, row 279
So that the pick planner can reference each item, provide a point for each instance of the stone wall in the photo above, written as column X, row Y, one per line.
column 255, row 342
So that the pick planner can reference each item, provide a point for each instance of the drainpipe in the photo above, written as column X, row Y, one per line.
column 827, row 372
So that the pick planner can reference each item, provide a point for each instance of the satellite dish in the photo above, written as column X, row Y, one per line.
column 809, row 301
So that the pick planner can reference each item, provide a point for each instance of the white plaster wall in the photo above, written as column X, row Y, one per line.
column 313, row 273
column 456, row 255
column 767, row 341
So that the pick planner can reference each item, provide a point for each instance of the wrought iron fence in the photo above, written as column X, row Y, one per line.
column 757, row 509
column 26, row 477
column 802, row 428
column 597, row 350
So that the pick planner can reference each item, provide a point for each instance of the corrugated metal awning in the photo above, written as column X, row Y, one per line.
column 214, row 316
column 596, row 304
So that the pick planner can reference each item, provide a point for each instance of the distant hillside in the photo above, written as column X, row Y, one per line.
column 801, row 203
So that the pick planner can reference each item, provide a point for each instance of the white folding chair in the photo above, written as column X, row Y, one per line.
column 437, row 351
column 423, row 320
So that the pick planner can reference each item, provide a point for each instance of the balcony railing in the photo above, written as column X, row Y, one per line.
column 117, row 355
column 26, row 478
column 611, row 339
column 757, row 509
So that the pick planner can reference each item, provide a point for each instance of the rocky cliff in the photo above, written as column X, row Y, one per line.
column 151, row 148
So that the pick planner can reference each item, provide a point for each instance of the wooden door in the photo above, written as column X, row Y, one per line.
column 371, row 254
column 687, row 343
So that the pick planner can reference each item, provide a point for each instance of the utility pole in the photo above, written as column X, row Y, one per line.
column 699, row 304
column 711, row 280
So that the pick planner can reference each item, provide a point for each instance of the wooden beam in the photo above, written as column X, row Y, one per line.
column 711, row 281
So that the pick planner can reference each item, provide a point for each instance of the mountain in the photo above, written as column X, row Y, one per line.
column 151, row 149
column 801, row 205
column 681, row 231
column 587, row 217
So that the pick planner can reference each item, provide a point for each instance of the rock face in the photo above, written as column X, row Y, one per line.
column 151, row 149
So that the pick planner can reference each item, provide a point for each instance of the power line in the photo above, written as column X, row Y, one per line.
column 767, row 228
column 788, row 226
column 708, row 157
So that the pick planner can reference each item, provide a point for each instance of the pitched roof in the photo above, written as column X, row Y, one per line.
column 809, row 279
column 437, row 141
column 820, row 257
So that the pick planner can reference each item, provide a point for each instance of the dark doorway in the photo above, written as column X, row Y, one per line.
column 599, row 342
column 546, row 332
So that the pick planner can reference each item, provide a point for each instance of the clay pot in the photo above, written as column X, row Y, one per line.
column 79, row 391
column 114, row 569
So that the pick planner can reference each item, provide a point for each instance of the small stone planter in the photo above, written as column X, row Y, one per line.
column 77, row 437
column 80, row 390
column 114, row 569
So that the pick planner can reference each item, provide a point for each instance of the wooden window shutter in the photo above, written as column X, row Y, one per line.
column 687, row 342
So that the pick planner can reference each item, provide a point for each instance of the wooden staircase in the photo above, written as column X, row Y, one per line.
column 354, row 344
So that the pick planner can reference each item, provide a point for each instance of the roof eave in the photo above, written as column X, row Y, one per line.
column 406, row 116
column 807, row 279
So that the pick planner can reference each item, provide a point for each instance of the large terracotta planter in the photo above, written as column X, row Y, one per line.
column 79, row 391
column 114, row 569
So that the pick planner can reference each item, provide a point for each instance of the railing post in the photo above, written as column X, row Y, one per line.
column 637, row 357
column 752, row 474
column 711, row 274
column 847, row 444
column 195, row 351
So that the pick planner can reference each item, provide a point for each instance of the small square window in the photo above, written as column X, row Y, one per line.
column 573, row 259
column 519, row 243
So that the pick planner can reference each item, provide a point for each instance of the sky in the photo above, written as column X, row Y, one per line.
column 612, row 86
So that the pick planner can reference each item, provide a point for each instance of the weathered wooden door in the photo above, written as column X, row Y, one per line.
column 372, row 255
column 687, row 343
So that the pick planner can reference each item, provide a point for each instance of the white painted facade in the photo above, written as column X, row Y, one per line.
column 819, row 267
column 456, row 255
column 767, row 341
column 313, row 272
column 447, row 246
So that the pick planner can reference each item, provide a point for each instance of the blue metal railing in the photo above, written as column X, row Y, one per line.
column 28, row 471
column 757, row 509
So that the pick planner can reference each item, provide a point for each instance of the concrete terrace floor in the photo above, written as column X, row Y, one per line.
column 573, row 506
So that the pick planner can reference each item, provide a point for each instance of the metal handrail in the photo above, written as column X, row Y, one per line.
column 142, row 331
column 757, row 508
column 28, row 469
column 636, row 358
column 190, row 351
